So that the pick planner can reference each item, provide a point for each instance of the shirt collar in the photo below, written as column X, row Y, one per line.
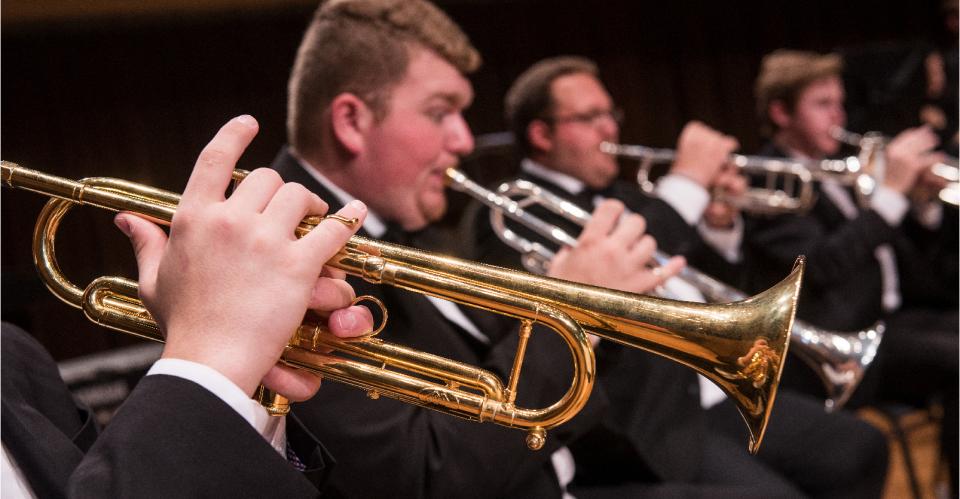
column 373, row 224
column 566, row 182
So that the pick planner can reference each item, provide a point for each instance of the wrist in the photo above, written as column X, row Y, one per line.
column 233, row 362
column 691, row 173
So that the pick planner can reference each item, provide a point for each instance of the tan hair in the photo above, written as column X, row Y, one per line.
column 363, row 47
column 784, row 74
column 530, row 98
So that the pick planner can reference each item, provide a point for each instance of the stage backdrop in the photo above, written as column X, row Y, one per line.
column 97, row 89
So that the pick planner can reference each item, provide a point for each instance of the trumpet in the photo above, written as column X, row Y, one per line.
column 871, row 145
column 840, row 359
column 740, row 346
column 788, row 184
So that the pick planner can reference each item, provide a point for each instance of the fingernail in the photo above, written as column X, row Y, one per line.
column 357, row 205
column 347, row 321
column 248, row 120
column 123, row 224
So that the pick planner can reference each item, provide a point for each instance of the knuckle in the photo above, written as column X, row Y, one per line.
column 211, row 156
column 297, row 190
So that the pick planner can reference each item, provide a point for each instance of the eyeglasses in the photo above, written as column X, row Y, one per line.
column 592, row 118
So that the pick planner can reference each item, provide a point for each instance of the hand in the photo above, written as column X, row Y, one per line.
column 928, row 186
column 702, row 152
column 614, row 255
column 728, row 186
column 909, row 154
column 232, row 283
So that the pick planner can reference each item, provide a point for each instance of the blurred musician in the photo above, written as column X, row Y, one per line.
column 658, row 425
column 375, row 113
column 226, row 299
column 894, row 259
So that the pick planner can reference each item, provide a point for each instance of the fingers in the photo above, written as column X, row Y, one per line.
column 212, row 172
column 351, row 321
column 295, row 384
column 604, row 218
column 332, row 273
column 256, row 191
column 330, row 294
column 292, row 203
column 628, row 229
column 330, row 235
column 672, row 267
column 148, row 241
column 639, row 254
column 702, row 152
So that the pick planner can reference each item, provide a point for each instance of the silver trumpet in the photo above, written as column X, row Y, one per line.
column 871, row 146
column 788, row 183
column 840, row 359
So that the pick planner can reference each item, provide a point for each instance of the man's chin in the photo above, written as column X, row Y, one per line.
column 830, row 148
column 433, row 209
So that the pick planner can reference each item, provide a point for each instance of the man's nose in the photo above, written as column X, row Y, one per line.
column 460, row 139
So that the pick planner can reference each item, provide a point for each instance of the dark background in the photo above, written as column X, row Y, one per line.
column 94, row 89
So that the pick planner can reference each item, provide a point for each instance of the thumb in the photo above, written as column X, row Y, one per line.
column 148, row 241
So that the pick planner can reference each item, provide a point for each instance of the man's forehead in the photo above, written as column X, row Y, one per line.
column 578, row 89
column 437, row 79
column 827, row 84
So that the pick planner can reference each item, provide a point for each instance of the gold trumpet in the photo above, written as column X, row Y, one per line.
column 740, row 346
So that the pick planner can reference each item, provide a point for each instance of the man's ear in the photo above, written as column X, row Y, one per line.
column 540, row 135
column 350, row 120
column 779, row 114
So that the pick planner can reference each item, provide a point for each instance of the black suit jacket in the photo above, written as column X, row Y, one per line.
column 388, row 448
column 171, row 438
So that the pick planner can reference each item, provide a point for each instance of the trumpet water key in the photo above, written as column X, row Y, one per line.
column 740, row 346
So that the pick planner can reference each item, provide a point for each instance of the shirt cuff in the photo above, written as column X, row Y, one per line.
column 890, row 205
column 724, row 241
column 687, row 197
column 273, row 429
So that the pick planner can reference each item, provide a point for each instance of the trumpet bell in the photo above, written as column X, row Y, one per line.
column 839, row 359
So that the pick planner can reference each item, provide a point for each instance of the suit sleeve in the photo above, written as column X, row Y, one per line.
column 834, row 254
column 173, row 438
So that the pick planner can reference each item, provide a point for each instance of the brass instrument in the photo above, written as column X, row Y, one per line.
column 871, row 146
column 840, row 359
column 788, row 183
column 740, row 346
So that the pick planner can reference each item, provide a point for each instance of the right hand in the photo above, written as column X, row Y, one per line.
column 614, row 253
column 908, row 155
column 232, row 283
column 702, row 153
column 729, row 185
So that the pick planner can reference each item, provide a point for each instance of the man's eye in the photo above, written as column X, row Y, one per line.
column 438, row 115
